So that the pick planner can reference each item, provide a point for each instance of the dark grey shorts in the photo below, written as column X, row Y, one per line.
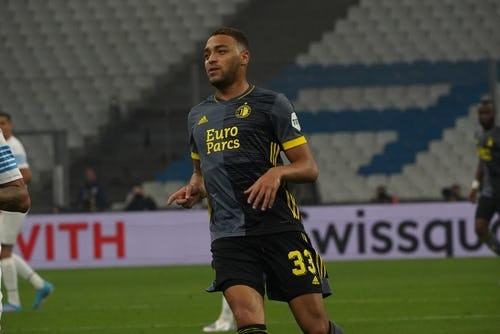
column 283, row 265
column 487, row 207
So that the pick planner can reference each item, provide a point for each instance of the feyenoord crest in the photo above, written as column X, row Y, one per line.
column 243, row 111
column 295, row 121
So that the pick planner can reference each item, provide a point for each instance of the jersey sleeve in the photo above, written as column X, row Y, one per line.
column 19, row 153
column 286, row 123
column 192, row 144
column 8, row 167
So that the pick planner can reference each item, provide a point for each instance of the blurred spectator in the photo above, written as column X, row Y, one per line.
column 92, row 195
column 381, row 196
column 115, row 109
column 452, row 193
column 138, row 200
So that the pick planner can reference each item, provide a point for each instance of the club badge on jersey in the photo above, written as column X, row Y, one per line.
column 295, row 121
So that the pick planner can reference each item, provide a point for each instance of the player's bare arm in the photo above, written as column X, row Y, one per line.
column 191, row 193
column 302, row 168
column 476, row 182
column 26, row 173
column 14, row 196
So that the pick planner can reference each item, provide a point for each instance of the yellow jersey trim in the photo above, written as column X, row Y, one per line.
column 294, row 143
column 248, row 91
column 195, row 156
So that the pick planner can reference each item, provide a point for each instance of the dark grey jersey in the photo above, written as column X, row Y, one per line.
column 488, row 151
column 236, row 142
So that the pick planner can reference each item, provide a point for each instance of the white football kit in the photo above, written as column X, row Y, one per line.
column 12, row 158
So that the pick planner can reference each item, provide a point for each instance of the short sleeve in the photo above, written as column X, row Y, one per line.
column 286, row 123
column 192, row 143
column 8, row 167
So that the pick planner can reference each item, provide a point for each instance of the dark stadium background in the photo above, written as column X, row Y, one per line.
column 385, row 91
column 64, row 61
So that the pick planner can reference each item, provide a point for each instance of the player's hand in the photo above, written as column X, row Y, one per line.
column 263, row 192
column 187, row 196
column 473, row 195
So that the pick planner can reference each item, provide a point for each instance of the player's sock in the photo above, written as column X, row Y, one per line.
column 334, row 329
column 10, row 281
column 26, row 272
column 253, row 329
column 492, row 242
column 226, row 315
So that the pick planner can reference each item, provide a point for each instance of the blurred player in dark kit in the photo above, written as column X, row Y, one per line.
column 487, row 180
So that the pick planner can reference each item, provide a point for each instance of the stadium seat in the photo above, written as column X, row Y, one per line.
column 88, row 51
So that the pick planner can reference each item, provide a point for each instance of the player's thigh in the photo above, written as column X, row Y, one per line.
column 10, row 226
column 237, row 261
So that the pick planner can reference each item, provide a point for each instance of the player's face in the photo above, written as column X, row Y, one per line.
column 224, row 60
column 6, row 127
column 486, row 117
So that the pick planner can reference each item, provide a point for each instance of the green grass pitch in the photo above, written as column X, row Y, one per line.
column 458, row 296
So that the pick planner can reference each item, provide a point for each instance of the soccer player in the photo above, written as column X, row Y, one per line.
column 10, row 226
column 259, row 245
column 14, row 195
column 487, row 180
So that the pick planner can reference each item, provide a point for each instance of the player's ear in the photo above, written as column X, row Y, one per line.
column 245, row 57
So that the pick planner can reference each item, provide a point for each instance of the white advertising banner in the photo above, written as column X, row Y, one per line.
column 181, row 236
column 395, row 231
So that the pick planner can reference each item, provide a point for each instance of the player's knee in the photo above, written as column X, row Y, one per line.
column 481, row 228
column 6, row 252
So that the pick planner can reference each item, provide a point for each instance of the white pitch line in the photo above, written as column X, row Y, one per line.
column 101, row 328
column 467, row 317
column 348, row 320
column 407, row 300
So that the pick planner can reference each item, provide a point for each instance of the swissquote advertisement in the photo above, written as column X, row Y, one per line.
column 354, row 232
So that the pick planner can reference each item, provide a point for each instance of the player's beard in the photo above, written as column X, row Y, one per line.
column 487, row 124
column 226, row 79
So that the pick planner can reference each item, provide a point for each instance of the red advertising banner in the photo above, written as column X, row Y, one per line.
column 181, row 236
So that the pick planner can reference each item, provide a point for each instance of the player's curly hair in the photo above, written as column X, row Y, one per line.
column 237, row 34
column 6, row 115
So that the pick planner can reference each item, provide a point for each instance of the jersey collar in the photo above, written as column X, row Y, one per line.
column 245, row 93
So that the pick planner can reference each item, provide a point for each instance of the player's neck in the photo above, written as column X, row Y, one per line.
column 234, row 90
column 488, row 127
